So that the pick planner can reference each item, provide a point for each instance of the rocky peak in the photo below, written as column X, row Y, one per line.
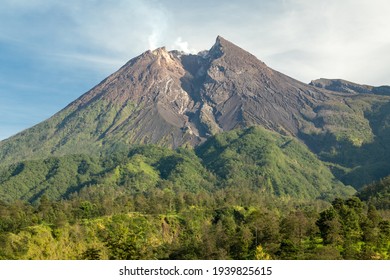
column 163, row 56
column 223, row 47
column 217, row 49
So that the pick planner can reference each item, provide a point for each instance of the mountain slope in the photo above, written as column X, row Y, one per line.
column 140, row 103
column 243, row 91
column 272, row 163
column 360, row 146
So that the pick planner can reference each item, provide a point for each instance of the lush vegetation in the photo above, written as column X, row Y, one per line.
column 356, row 139
column 279, row 165
column 377, row 194
column 244, row 194
column 69, row 131
column 253, row 158
column 231, row 223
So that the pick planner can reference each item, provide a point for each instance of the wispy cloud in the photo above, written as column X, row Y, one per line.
column 98, row 62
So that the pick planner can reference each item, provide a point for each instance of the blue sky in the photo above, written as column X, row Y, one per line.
column 51, row 52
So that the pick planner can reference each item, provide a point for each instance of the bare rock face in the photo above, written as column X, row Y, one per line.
column 173, row 99
column 149, row 88
column 244, row 91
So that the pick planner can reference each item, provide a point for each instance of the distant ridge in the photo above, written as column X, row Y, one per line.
column 344, row 86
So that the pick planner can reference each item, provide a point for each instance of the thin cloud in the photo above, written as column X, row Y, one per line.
column 339, row 33
column 341, row 37
column 120, row 31
column 104, row 63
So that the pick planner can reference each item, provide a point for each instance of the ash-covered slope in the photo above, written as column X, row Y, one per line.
column 143, row 102
column 243, row 91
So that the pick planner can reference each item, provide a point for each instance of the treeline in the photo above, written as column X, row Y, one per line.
column 167, row 223
column 377, row 194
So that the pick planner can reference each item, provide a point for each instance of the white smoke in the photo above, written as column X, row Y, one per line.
column 183, row 46
column 156, row 21
column 153, row 40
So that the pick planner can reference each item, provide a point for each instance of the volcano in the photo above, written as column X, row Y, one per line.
column 173, row 99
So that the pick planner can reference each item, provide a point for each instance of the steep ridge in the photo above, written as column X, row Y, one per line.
column 244, row 91
column 150, row 99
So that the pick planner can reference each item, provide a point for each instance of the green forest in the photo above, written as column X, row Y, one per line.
column 243, row 194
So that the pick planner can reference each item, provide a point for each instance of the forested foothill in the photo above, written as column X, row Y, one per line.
column 241, row 195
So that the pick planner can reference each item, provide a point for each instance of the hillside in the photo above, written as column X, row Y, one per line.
column 253, row 158
column 275, row 164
